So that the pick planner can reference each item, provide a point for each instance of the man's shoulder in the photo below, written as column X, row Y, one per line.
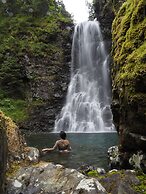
column 66, row 141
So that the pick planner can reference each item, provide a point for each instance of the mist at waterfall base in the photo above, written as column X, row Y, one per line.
column 87, row 108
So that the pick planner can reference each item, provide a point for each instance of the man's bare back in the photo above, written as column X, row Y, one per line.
column 62, row 145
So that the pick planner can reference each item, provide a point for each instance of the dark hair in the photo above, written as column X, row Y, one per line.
column 62, row 134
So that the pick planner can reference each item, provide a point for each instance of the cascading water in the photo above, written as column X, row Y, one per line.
column 87, row 107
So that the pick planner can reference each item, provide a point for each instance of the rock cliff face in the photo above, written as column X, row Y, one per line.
column 49, row 77
column 12, row 146
column 129, row 74
column 105, row 11
column 13, row 141
column 129, row 66
column 34, row 61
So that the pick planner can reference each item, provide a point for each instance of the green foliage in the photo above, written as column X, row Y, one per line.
column 93, row 173
column 29, row 7
column 129, row 49
column 141, row 188
column 30, row 31
column 35, row 8
column 35, row 28
column 16, row 109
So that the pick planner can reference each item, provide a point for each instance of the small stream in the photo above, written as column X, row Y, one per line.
column 87, row 148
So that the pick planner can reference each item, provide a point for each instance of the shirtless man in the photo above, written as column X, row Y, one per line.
column 63, row 144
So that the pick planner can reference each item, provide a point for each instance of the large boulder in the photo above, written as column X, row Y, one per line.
column 13, row 149
column 15, row 141
column 50, row 178
column 126, row 160
column 12, row 146
column 121, row 182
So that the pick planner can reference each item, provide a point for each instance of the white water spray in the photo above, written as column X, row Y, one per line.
column 87, row 107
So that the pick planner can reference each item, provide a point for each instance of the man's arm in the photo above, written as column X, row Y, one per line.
column 50, row 149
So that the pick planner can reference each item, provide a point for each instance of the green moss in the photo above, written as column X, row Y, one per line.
column 14, row 167
column 14, row 108
column 93, row 173
column 18, row 109
column 36, row 102
column 113, row 172
column 141, row 188
column 129, row 48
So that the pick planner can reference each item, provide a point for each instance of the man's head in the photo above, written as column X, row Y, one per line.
column 62, row 135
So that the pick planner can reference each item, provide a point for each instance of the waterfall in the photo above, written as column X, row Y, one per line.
column 88, row 100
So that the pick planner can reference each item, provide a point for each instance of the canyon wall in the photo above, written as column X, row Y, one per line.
column 34, row 61
column 123, row 25
column 129, row 74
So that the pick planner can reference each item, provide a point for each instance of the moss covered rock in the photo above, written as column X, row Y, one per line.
column 3, row 153
column 129, row 73
column 12, row 146
column 14, row 140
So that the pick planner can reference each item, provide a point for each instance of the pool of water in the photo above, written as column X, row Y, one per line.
column 87, row 148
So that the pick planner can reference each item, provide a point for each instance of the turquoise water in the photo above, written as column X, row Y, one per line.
column 87, row 148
